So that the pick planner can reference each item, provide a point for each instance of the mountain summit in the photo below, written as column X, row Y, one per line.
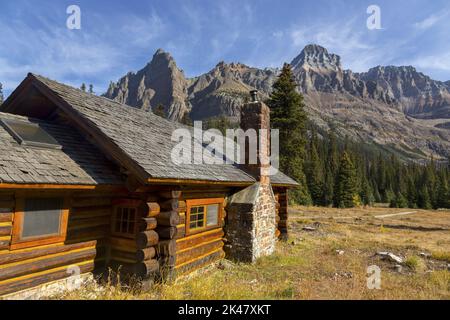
column 160, row 82
column 397, row 108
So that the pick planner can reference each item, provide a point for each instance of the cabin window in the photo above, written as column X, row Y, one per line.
column 124, row 223
column 30, row 134
column 203, row 214
column 39, row 221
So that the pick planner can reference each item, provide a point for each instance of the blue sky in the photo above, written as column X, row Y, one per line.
column 121, row 36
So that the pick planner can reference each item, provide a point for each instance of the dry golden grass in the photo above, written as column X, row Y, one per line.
column 309, row 267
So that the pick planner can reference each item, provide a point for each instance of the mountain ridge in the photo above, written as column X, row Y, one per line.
column 386, row 105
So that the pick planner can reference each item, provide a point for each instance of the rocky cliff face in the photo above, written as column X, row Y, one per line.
column 417, row 94
column 160, row 82
column 396, row 107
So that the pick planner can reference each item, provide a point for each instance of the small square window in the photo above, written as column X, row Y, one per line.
column 39, row 221
column 203, row 214
column 42, row 217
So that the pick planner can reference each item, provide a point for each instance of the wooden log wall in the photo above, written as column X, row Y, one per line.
column 136, row 256
column 22, row 269
column 168, row 220
column 281, row 196
column 198, row 250
column 6, row 218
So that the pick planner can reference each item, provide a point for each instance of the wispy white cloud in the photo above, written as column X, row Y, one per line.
column 431, row 20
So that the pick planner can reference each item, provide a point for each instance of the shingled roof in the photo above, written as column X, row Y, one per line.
column 143, row 137
column 78, row 163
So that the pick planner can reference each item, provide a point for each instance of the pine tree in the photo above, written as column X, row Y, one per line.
column 314, row 174
column 424, row 201
column 288, row 115
column 1, row 94
column 366, row 193
column 160, row 111
column 411, row 194
column 443, row 192
column 328, row 188
column 83, row 87
column 346, row 192
column 91, row 89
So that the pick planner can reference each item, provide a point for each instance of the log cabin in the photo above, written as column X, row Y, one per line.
column 88, row 182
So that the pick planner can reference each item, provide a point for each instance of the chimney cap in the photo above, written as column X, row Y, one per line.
column 254, row 95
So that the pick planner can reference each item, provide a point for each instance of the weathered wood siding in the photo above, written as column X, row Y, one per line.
column 85, row 245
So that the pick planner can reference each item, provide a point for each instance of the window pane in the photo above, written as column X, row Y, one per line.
column 212, row 215
column 42, row 217
column 30, row 133
column 197, row 217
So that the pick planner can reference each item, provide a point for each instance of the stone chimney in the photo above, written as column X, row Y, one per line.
column 251, row 213
column 256, row 115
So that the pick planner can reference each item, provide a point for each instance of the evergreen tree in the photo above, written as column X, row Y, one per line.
column 443, row 192
column 91, row 89
column 331, row 169
column 288, row 115
column 424, row 201
column 411, row 196
column 83, row 87
column 366, row 193
column 346, row 191
column 160, row 111
column 314, row 174
column 328, row 188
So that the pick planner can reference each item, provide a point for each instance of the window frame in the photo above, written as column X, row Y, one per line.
column 125, row 204
column 17, row 242
column 203, row 203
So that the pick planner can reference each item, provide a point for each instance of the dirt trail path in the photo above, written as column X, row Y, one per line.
column 395, row 214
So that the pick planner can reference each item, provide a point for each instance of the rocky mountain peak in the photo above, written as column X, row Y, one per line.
column 159, row 82
column 318, row 58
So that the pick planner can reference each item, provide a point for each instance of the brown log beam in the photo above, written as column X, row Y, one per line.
column 22, row 284
column 153, row 209
column 6, row 217
column 167, row 232
column 166, row 248
column 147, row 239
column 170, row 194
column 90, row 202
column 199, row 238
column 145, row 254
column 169, row 205
column 4, row 244
column 198, row 251
column 47, row 263
column 128, row 245
column 37, row 252
column 147, row 224
column 5, row 231
column 168, row 219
